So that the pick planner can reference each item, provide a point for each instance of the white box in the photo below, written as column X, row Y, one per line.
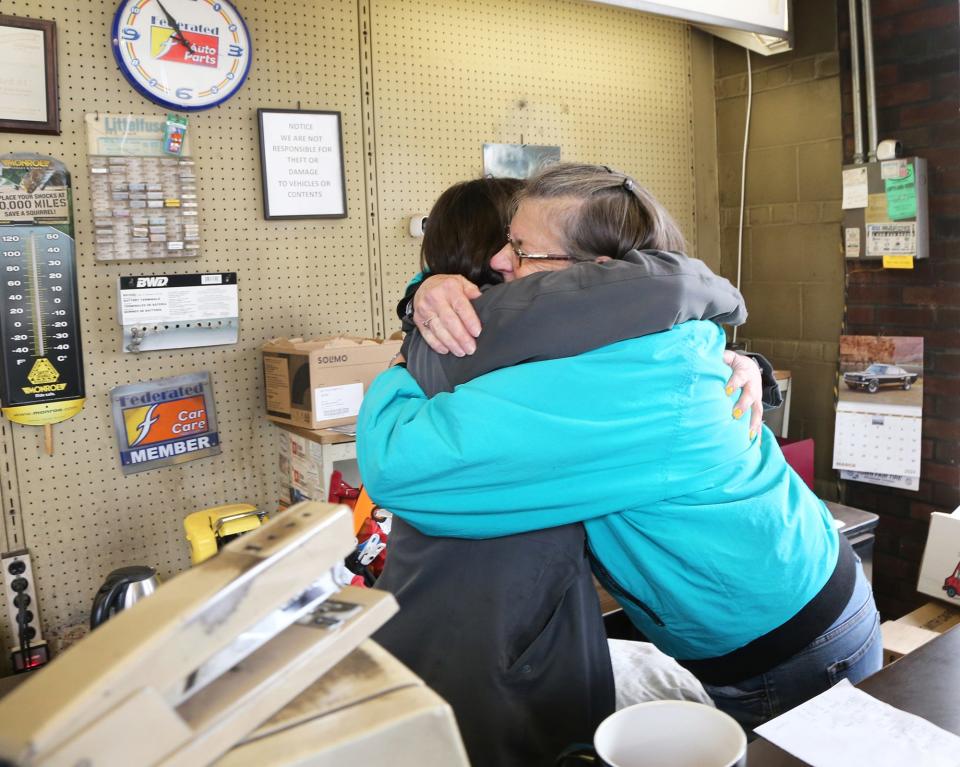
column 940, row 568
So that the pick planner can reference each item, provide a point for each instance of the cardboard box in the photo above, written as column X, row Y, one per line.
column 933, row 616
column 321, row 382
column 940, row 568
column 906, row 634
column 900, row 639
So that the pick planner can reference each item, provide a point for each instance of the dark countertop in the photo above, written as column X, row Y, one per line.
column 855, row 521
column 925, row 682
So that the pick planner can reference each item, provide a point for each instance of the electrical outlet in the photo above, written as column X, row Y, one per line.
column 20, row 592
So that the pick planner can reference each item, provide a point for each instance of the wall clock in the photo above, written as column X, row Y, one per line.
column 183, row 54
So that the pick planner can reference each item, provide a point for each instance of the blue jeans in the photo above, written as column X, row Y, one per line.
column 850, row 649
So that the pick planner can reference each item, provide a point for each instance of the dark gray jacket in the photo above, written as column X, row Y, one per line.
column 567, row 312
column 558, row 314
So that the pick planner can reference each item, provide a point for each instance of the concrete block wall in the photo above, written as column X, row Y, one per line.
column 792, row 265
column 916, row 47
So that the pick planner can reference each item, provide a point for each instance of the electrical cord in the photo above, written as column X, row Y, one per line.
column 743, row 177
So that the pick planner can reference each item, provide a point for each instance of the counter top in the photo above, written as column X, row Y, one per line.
column 924, row 683
column 323, row 436
column 855, row 521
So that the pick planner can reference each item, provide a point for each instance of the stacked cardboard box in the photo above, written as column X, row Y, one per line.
column 906, row 634
column 320, row 383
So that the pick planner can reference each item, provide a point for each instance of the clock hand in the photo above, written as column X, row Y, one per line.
column 173, row 23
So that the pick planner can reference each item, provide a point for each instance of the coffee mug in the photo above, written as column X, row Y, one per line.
column 664, row 733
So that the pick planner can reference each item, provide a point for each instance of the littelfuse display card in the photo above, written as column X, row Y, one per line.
column 177, row 311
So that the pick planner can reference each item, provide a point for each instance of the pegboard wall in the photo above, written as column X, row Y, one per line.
column 607, row 85
column 421, row 85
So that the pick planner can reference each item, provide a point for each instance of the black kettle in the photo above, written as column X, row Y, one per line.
column 122, row 588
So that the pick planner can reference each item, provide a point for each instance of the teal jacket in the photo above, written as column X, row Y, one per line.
column 714, row 537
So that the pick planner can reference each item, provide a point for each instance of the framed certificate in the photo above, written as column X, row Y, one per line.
column 301, row 161
column 28, row 76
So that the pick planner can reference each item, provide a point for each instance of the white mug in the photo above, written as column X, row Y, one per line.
column 670, row 733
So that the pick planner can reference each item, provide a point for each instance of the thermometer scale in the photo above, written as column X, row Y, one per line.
column 39, row 316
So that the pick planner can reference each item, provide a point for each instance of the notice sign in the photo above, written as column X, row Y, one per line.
column 165, row 422
column 301, row 157
column 854, row 188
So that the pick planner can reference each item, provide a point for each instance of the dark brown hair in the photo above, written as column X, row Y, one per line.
column 608, row 214
column 467, row 226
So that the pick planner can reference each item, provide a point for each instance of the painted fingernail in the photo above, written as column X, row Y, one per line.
column 737, row 412
column 752, row 434
column 729, row 390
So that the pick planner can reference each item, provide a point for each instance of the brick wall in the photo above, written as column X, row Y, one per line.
column 916, row 50
column 792, row 274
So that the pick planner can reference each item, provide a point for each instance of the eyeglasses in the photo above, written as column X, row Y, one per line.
column 520, row 254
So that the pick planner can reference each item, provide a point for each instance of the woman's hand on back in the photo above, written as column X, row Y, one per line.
column 746, row 376
column 444, row 315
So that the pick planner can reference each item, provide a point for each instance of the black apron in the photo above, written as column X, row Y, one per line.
column 509, row 632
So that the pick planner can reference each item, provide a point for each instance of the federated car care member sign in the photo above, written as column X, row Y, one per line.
column 165, row 422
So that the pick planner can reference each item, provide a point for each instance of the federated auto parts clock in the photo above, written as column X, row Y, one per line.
column 183, row 54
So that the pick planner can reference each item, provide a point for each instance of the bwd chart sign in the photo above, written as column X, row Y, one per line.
column 301, row 156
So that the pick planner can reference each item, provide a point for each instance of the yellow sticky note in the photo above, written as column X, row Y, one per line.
column 898, row 262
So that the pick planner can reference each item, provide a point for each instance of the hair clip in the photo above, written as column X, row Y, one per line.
column 628, row 184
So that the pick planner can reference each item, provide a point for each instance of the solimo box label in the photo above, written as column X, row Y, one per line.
column 165, row 422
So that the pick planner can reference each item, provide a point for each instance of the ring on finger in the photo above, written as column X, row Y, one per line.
column 426, row 323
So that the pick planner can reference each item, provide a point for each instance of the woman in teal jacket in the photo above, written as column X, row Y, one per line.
column 715, row 548
column 508, row 630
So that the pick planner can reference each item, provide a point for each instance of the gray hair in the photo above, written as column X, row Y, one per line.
column 609, row 213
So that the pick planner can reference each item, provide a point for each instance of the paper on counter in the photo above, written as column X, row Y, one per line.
column 846, row 727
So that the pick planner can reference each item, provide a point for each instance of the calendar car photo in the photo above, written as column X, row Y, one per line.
column 882, row 370
column 879, row 375
column 880, row 410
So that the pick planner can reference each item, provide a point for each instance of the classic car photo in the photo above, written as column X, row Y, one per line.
column 878, row 375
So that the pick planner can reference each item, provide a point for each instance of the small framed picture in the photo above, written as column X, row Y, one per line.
column 301, row 162
column 28, row 76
